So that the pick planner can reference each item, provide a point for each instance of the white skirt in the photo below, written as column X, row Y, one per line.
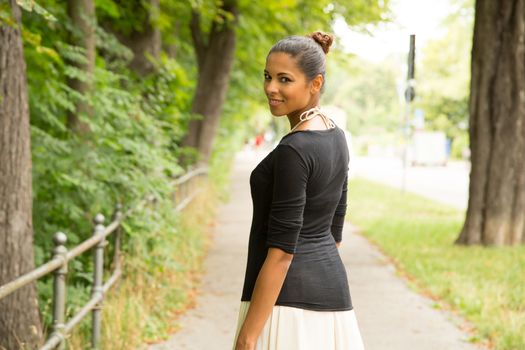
column 291, row 328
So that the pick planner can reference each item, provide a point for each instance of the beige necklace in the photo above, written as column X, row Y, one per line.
column 312, row 113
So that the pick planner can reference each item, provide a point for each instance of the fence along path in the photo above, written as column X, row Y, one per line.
column 184, row 192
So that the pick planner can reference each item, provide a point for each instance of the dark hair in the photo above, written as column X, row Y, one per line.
column 310, row 52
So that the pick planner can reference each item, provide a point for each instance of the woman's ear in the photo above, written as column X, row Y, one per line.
column 317, row 84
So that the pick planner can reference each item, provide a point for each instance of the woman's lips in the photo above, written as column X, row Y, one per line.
column 274, row 102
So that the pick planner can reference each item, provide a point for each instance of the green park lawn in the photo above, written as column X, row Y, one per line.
column 486, row 285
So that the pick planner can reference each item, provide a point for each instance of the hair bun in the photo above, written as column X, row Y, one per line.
column 323, row 39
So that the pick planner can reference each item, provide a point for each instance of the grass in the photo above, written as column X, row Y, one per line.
column 486, row 285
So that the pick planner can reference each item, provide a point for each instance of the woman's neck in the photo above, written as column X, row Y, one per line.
column 294, row 117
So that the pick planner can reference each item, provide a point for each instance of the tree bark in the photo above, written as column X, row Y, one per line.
column 83, row 19
column 143, row 43
column 215, row 59
column 496, row 207
column 20, row 324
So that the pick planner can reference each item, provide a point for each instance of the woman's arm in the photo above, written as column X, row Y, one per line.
column 339, row 215
column 267, row 287
column 285, row 220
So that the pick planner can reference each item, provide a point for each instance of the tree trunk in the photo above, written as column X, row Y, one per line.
column 215, row 60
column 20, row 324
column 83, row 19
column 143, row 43
column 496, row 207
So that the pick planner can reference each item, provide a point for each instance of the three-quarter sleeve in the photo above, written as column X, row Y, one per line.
column 340, row 212
column 290, row 176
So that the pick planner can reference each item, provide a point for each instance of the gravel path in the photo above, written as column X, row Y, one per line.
column 391, row 316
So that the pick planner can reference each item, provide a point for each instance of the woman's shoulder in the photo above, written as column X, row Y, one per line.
column 310, row 138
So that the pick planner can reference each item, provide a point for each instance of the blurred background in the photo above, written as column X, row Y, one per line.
column 107, row 103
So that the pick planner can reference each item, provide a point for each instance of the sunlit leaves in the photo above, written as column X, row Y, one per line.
column 36, row 41
column 108, row 7
column 5, row 14
column 30, row 5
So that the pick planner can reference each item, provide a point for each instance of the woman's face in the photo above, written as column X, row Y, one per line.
column 288, row 90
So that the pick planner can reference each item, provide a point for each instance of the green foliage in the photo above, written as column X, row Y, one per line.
column 5, row 14
column 30, row 5
column 124, row 16
column 485, row 284
column 108, row 8
column 130, row 152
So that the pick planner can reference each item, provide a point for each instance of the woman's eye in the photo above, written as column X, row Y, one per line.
column 283, row 80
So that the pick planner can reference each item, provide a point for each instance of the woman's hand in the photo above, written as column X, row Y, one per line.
column 338, row 244
column 244, row 344
column 265, row 292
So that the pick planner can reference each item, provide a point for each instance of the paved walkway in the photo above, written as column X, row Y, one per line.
column 390, row 315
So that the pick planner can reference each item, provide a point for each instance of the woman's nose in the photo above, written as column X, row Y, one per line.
column 270, row 87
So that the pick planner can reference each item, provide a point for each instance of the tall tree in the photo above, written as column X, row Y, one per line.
column 83, row 20
column 215, row 53
column 20, row 323
column 496, row 207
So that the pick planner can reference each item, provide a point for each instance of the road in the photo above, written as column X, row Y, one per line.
column 445, row 184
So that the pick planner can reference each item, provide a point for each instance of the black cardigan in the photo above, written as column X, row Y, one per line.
column 299, row 195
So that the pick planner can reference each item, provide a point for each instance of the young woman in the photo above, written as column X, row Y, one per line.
column 296, row 294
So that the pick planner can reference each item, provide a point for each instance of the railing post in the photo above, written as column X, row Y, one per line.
column 183, row 190
column 59, row 288
column 98, row 271
column 117, row 215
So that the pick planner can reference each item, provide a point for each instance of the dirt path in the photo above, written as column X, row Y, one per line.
column 390, row 315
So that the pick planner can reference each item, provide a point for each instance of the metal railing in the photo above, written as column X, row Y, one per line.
column 184, row 192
